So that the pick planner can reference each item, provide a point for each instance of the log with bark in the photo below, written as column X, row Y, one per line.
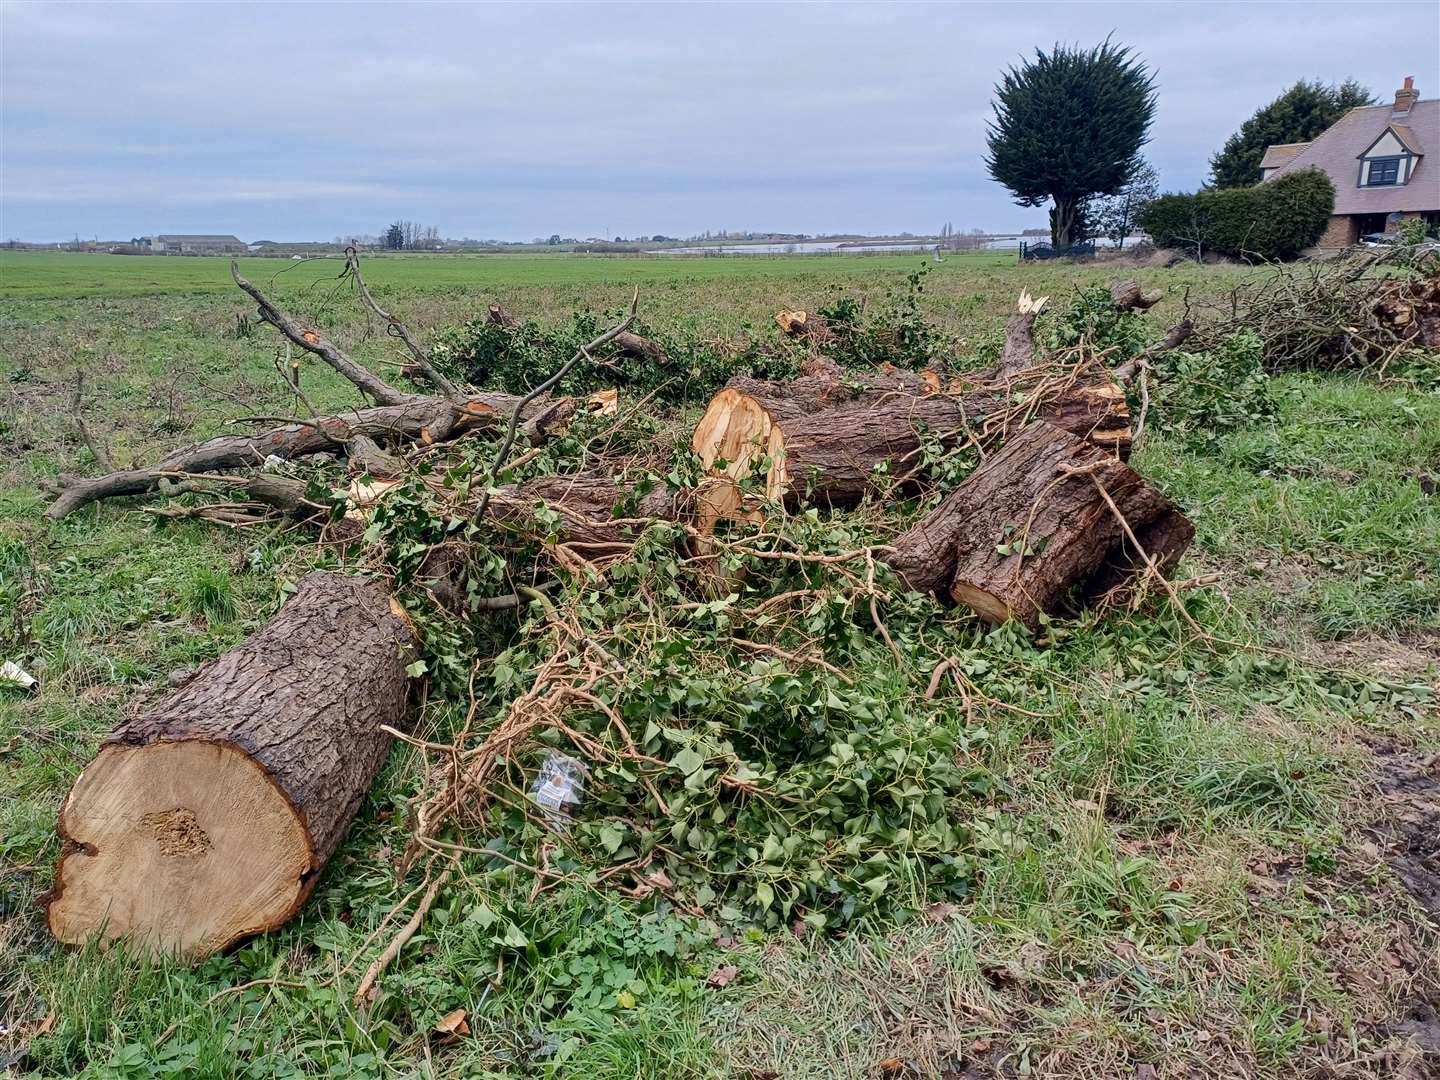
column 417, row 419
column 1130, row 296
column 806, row 325
column 821, row 440
column 209, row 817
column 1032, row 523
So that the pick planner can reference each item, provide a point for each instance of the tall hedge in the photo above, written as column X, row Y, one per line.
column 1273, row 221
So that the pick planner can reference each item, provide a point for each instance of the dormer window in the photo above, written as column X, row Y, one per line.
column 1383, row 171
column 1390, row 159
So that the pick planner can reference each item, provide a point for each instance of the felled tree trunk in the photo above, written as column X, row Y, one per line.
column 1030, row 524
column 209, row 817
column 821, row 440
column 418, row 419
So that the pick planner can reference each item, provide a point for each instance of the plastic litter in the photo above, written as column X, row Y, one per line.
column 560, row 786
column 11, row 672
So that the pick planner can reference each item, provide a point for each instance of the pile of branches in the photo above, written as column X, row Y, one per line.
column 679, row 630
column 1367, row 311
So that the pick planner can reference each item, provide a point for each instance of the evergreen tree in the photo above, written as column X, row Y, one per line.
column 395, row 237
column 1068, row 126
column 1298, row 115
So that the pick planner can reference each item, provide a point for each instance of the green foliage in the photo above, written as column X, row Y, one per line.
column 1299, row 115
column 1069, row 125
column 1202, row 396
column 894, row 331
column 517, row 358
column 1093, row 317
column 1273, row 221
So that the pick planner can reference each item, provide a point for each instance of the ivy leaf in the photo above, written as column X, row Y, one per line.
column 688, row 760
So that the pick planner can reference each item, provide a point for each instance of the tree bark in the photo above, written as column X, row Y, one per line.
column 1029, row 525
column 418, row 419
column 208, row 818
column 640, row 348
column 820, row 440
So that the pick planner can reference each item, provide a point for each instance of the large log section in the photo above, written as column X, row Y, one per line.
column 1031, row 523
column 821, row 439
column 209, row 817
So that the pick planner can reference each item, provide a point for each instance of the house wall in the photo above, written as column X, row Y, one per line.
column 1341, row 232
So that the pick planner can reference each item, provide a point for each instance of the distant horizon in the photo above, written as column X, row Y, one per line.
column 525, row 120
column 734, row 236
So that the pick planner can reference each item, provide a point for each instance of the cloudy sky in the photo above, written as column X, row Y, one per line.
column 308, row 121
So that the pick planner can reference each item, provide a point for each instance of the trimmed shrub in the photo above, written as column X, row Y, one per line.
column 1271, row 222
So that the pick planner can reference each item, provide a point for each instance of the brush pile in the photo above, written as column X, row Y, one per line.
column 738, row 632
column 1368, row 312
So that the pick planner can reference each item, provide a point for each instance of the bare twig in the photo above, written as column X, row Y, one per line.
column 509, row 441
column 398, row 942
column 97, row 446
column 396, row 327
column 310, row 340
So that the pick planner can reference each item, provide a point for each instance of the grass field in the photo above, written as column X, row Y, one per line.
column 1189, row 857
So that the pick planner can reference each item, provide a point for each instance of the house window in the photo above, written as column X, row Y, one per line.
column 1383, row 171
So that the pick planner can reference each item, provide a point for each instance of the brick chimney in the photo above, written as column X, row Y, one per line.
column 1406, row 96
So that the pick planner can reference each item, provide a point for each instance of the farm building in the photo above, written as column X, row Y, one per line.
column 185, row 244
column 1376, row 157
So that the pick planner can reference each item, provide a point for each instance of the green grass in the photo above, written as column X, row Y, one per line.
column 1168, row 839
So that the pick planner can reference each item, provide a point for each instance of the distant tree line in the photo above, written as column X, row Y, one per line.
column 410, row 236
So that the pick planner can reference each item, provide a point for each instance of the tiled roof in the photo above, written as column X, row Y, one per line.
column 1406, row 135
column 1280, row 154
column 1335, row 152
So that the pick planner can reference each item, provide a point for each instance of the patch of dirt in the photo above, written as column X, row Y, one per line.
column 1409, row 829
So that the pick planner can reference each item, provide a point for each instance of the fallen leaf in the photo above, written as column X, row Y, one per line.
column 892, row 1066
column 939, row 912
column 1144, row 1071
column 453, row 1023
column 46, row 1026
column 722, row 976
column 625, row 999
column 980, row 1046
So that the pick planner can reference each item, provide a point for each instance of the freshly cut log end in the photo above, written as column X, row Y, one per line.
column 741, row 427
column 805, row 324
column 162, row 850
column 209, row 817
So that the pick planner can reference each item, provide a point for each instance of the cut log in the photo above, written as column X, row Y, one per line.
column 805, row 324
column 1129, row 296
column 1029, row 526
column 208, row 818
column 500, row 317
column 822, row 439
column 640, row 348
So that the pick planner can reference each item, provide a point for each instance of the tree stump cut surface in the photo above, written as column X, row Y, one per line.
column 208, row 818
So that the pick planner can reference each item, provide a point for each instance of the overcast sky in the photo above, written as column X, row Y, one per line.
column 299, row 121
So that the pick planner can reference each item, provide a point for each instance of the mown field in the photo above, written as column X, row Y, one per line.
column 1187, row 854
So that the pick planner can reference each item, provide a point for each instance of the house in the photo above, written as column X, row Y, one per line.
column 179, row 244
column 1376, row 156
